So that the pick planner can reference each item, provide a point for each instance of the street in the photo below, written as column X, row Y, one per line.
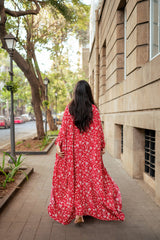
column 21, row 130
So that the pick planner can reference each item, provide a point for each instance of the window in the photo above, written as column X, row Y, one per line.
column 154, row 28
column 125, row 41
column 103, row 69
column 122, row 139
column 123, row 12
column 150, row 152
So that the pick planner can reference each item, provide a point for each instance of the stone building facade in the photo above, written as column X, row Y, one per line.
column 125, row 79
column 85, row 56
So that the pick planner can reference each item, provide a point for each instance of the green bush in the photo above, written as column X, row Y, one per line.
column 53, row 132
column 10, row 172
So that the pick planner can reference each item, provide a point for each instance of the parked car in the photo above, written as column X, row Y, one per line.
column 33, row 118
column 18, row 120
column 4, row 122
column 26, row 117
column 57, row 120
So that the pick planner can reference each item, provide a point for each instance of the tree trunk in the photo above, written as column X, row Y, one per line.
column 37, row 110
column 51, row 123
column 36, row 98
column 52, row 126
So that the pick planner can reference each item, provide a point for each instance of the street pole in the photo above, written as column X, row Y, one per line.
column 56, row 108
column 10, row 41
column 12, row 128
column 46, row 109
column 46, row 81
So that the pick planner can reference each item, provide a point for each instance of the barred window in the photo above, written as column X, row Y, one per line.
column 150, row 152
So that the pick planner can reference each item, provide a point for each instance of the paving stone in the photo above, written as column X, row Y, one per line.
column 58, row 232
column 14, row 231
column 44, row 230
column 73, row 232
column 29, row 231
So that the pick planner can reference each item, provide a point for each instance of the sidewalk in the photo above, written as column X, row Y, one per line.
column 26, row 217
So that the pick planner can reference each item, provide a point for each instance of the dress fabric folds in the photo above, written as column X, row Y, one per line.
column 81, row 184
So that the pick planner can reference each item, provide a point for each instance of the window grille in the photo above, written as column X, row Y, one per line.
column 122, row 139
column 150, row 152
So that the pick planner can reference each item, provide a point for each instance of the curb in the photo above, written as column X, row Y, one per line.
column 38, row 152
column 20, row 181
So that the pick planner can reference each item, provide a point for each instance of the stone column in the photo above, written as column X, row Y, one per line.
column 96, row 85
column 133, row 151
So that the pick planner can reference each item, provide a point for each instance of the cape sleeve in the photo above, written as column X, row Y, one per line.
column 102, row 137
column 100, row 129
column 63, row 130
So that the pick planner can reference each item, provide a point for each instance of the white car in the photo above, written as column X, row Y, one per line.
column 26, row 117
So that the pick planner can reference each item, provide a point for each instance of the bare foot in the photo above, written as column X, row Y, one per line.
column 78, row 219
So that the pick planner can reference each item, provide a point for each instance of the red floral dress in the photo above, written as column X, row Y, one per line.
column 81, row 185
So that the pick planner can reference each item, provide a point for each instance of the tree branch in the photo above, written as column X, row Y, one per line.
column 23, row 13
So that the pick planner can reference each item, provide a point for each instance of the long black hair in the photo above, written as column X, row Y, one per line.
column 81, row 105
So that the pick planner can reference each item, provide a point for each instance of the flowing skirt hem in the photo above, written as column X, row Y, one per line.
column 120, row 217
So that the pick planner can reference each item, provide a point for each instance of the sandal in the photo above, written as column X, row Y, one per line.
column 79, row 219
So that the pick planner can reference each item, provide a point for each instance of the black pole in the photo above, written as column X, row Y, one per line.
column 46, row 109
column 12, row 128
column 56, row 110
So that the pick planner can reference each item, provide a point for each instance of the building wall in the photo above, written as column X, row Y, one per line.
column 85, row 56
column 92, row 66
column 129, row 84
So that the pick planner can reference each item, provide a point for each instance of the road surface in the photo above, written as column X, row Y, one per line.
column 22, row 130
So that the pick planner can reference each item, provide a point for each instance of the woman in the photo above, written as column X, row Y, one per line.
column 81, row 185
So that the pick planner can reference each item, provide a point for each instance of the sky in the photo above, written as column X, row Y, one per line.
column 86, row 1
column 44, row 58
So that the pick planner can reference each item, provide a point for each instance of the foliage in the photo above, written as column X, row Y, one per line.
column 65, row 10
column 22, row 96
column 11, row 86
column 45, row 142
column 81, row 28
column 3, row 164
column 12, row 170
column 53, row 133
column 52, row 24
column 19, row 142
column 63, row 80
column 45, row 103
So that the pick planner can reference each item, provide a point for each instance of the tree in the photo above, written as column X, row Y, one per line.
column 63, row 80
column 27, row 62
column 22, row 96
